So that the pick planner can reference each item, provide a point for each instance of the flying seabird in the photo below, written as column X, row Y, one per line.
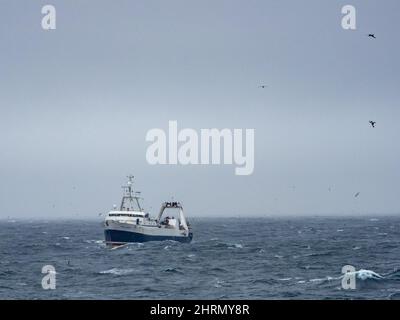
column 373, row 123
column 263, row 86
column 371, row 35
column 356, row 195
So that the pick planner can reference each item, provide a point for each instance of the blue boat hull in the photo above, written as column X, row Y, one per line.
column 120, row 237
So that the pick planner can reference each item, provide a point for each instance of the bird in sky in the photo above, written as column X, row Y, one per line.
column 356, row 195
column 371, row 35
column 373, row 123
column 263, row 86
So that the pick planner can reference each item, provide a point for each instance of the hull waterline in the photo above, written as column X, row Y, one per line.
column 122, row 237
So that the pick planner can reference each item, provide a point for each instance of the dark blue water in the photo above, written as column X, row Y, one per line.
column 228, row 259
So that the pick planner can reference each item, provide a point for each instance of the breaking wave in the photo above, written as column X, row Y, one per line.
column 118, row 272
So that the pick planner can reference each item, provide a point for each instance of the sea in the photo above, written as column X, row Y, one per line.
column 229, row 258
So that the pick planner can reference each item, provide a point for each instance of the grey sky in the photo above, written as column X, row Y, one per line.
column 76, row 103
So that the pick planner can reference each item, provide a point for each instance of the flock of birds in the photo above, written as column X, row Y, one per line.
column 371, row 35
column 372, row 123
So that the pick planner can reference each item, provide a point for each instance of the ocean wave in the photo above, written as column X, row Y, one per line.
column 326, row 279
column 364, row 274
column 393, row 275
column 216, row 243
column 318, row 254
column 262, row 281
column 21, row 284
column 118, row 271
column 235, row 246
column 218, row 283
column 7, row 272
column 218, row 269
column 94, row 241
column 284, row 279
column 173, row 270
column 394, row 296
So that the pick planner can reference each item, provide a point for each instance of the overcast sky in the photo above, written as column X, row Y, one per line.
column 76, row 104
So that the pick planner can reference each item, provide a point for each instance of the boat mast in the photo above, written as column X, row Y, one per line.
column 130, row 196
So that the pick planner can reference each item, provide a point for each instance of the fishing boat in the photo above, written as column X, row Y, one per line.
column 130, row 222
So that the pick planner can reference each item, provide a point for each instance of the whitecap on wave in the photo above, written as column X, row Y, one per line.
column 94, row 241
column 285, row 279
column 328, row 278
column 117, row 271
column 218, row 283
column 238, row 245
column 367, row 274
column 362, row 274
